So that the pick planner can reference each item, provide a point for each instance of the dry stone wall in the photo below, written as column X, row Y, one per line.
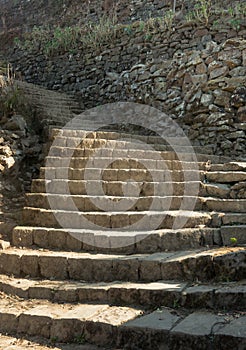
column 196, row 74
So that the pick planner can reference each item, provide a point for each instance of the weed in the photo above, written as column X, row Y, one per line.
column 216, row 23
column 148, row 37
column 96, row 34
column 12, row 100
column 54, row 340
column 128, row 29
column 141, row 26
column 150, row 27
column 176, row 304
column 17, row 42
column 240, row 9
column 202, row 10
column 190, row 16
column 168, row 19
column 233, row 241
column 235, row 23
column 80, row 339
column 231, row 11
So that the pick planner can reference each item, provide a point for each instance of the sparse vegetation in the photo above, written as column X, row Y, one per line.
column 204, row 9
column 58, row 40
column 201, row 12
column 52, row 41
column 168, row 19
column 11, row 98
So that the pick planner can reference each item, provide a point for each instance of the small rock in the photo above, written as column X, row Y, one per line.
column 206, row 99
column 219, row 72
column 4, row 245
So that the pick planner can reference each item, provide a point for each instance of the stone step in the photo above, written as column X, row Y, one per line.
column 200, row 156
column 226, row 176
column 217, row 190
column 119, row 188
column 199, row 330
column 225, row 205
column 119, row 163
column 144, row 220
column 233, row 218
column 119, row 148
column 165, row 293
column 66, row 137
column 56, row 133
column 129, row 203
column 73, row 171
column 88, row 203
column 18, row 342
column 122, row 327
column 192, row 265
column 231, row 166
column 232, row 235
column 64, row 322
column 129, row 156
column 129, row 145
column 103, row 242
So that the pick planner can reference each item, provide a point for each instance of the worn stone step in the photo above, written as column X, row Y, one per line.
column 192, row 265
column 119, row 188
column 165, row 293
column 127, row 146
column 233, row 218
column 116, row 326
column 16, row 342
column 186, row 157
column 130, row 157
column 199, row 330
column 133, row 203
column 125, row 159
column 123, row 148
column 232, row 235
column 120, row 163
column 226, row 205
column 226, row 176
column 144, row 220
column 100, row 241
column 56, row 133
column 88, row 203
column 73, row 171
column 218, row 190
column 72, row 138
column 62, row 135
column 64, row 322
column 231, row 166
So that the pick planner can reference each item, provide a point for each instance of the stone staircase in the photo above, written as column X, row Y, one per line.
column 54, row 108
column 147, row 254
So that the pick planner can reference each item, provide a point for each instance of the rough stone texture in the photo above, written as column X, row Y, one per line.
column 232, row 335
column 197, row 76
column 209, row 106
column 229, row 233
column 12, row 343
column 194, row 331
